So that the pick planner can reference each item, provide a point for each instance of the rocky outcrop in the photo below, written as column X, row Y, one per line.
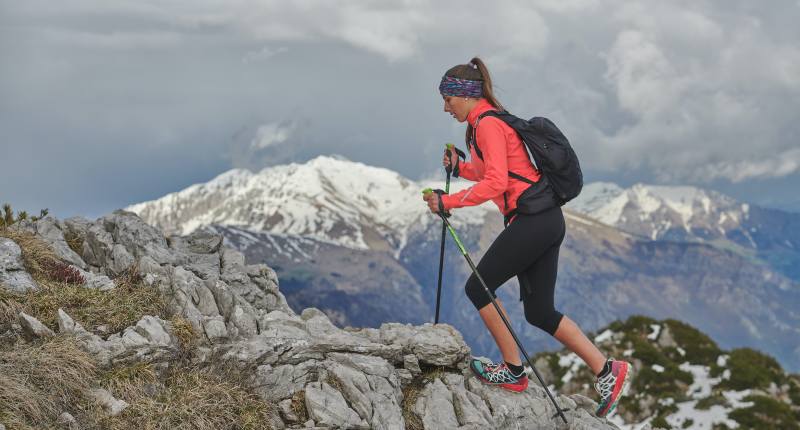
column 393, row 377
column 12, row 271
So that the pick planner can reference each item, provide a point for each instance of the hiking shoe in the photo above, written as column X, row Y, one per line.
column 498, row 374
column 612, row 386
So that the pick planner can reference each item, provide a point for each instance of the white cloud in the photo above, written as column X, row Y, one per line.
column 689, row 90
column 263, row 54
column 710, row 95
column 271, row 134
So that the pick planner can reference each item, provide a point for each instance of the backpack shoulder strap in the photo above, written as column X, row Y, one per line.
column 474, row 140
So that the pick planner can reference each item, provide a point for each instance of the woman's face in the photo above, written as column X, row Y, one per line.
column 458, row 107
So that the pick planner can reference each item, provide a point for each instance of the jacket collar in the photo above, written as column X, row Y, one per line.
column 482, row 106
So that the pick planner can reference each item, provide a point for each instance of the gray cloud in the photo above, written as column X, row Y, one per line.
column 674, row 92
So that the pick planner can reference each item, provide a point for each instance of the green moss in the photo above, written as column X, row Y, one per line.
column 558, row 371
column 666, row 384
column 634, row 324
column 687, row 423
column 765, row 413
column 660, row 421
column 712, row 400
column 700, row 349
column 794, row 389
column 752, row 369
column 647, row 352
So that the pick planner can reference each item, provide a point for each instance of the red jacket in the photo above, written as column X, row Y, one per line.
column 502, row 151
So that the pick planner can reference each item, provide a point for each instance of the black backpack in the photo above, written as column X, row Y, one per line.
column 552, row 155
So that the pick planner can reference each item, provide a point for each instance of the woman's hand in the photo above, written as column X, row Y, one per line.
column 433, row 201
column 451, row 159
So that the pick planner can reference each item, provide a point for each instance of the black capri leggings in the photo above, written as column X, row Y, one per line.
column 527, row 248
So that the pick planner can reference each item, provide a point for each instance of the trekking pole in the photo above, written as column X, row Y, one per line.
column 449, row 170
column 443, row 216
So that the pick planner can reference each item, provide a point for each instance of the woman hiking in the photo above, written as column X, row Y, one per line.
column 527, row 247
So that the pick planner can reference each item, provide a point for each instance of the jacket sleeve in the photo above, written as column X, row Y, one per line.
column 492, row 141
column 466, row 171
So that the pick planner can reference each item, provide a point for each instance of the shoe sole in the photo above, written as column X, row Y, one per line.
column 507, row 387
column 626, row 380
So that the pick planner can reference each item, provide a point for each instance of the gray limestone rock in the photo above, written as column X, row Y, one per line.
column 51, row 231
column 67, row 325
column 198, row 242
column 287, row 412
column 438, row 345
column 371, row 388
column 470, row 409
column 411, row 364
column 66, row 420
column 12, row 269
column 110, row 405
column 33, row 328
column 434, row 406
column 137, row 237
column 326, row 406
column 280, row 382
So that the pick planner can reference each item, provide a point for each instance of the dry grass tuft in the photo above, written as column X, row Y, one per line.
column 39, row 381
column 299, row 406
column 117, row 309
column 183, row 330
column 186, row 398
column 10, row 307
column 411, row 393
column 74, row 241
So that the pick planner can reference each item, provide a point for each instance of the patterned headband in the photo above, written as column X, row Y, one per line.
column 456, row 87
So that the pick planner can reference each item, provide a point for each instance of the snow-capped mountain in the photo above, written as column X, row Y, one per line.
column 690, row 214
column 329, row 198
column 664, row 212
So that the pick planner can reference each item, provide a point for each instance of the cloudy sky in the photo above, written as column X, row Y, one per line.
column 106, row 103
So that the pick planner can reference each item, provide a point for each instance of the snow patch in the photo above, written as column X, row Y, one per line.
column 604, row 336
column 656, row 331
column 573, row 362
column 658, row 368
column 702, row 383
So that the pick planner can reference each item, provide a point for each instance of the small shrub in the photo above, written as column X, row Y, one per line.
column 794, row 389
column 7, row 219
column 752, row 369
column 670, row 383
column 660, row 421
column 638, row 324
column 715, row 399
column 58, row 271
column 766, row 412
column 645, row 351
column 700, row 349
